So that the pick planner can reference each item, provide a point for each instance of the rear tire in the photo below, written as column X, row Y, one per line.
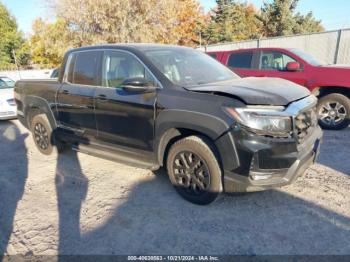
column 334, row 112
column 43, row 135
column 194, row 170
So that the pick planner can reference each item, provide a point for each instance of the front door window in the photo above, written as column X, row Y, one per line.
column 118, row 66
column 272, row 60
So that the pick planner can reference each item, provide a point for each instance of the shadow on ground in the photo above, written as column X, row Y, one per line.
column 155, row 220
column 335, row 150
column 12, row 183
column 71, row 188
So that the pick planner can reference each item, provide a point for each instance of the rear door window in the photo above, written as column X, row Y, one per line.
column 213, row 56
column 85, row 68
column 240, row 60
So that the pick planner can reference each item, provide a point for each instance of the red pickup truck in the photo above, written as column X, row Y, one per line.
column 330, row 83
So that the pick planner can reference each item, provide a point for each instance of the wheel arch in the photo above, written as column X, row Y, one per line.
column 172, row 125
column 173, row 135
column 327, row 90
column 37, row 104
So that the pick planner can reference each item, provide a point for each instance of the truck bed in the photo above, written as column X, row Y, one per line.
column 27, row 89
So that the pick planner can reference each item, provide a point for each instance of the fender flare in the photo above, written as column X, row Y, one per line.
column 35, row 102
column 170, row 122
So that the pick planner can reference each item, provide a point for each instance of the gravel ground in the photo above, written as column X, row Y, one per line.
column 78, row 204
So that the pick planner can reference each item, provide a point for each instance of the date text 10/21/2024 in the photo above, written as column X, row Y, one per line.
column 173, row 258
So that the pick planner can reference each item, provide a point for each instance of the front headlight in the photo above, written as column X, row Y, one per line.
column 264, row 121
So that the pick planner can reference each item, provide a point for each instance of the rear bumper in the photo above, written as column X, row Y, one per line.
column 266, row 163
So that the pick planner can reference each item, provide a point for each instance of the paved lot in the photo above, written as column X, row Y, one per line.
column 78, row 204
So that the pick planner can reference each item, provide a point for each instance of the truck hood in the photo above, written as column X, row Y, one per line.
column 257, row 90
column 340, row 66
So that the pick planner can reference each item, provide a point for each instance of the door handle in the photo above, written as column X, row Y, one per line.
column 65, row 92
column 102, row 97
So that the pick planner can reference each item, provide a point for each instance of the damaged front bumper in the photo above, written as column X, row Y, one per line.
column 269, row 162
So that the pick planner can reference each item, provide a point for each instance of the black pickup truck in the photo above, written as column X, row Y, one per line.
column 154, row 105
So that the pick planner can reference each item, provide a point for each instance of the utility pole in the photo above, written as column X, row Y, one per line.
column 336, row 54
column 14, row 57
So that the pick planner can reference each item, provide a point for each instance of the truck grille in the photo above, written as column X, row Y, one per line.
column 304, row 124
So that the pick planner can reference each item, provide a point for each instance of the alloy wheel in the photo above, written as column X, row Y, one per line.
column 332, row 113
column 41, row 136
column 191, row 173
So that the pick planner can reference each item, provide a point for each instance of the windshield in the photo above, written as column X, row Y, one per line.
column 187, row 67
column 6, row 82
column 307, row 57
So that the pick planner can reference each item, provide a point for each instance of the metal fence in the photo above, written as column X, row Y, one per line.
column 331, row 47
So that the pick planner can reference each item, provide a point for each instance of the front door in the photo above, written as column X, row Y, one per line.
column 274, row 64
column 124, row 118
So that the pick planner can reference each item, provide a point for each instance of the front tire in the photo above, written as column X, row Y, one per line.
column 334, row 112
column 194, row 170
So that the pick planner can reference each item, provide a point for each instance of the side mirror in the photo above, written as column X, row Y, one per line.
column 138, row 85
column 293, row 66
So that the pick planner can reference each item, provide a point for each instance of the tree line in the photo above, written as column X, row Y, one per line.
column 180, row 22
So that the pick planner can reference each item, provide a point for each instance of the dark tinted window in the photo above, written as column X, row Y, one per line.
column 85, row 68
column 213, row 56
column 240, row 60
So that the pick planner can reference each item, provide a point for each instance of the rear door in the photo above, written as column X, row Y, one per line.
column 124, row 118
column 274, row 64
column 75, row 99
column 242, row 63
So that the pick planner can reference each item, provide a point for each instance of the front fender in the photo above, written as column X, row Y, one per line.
column 169, row 122
column 209, row 125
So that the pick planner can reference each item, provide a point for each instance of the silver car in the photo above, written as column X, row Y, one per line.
column 8, row 108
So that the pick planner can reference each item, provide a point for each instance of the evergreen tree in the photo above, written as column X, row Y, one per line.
column 307, row 24
column 279, row 19
column 231, row 21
